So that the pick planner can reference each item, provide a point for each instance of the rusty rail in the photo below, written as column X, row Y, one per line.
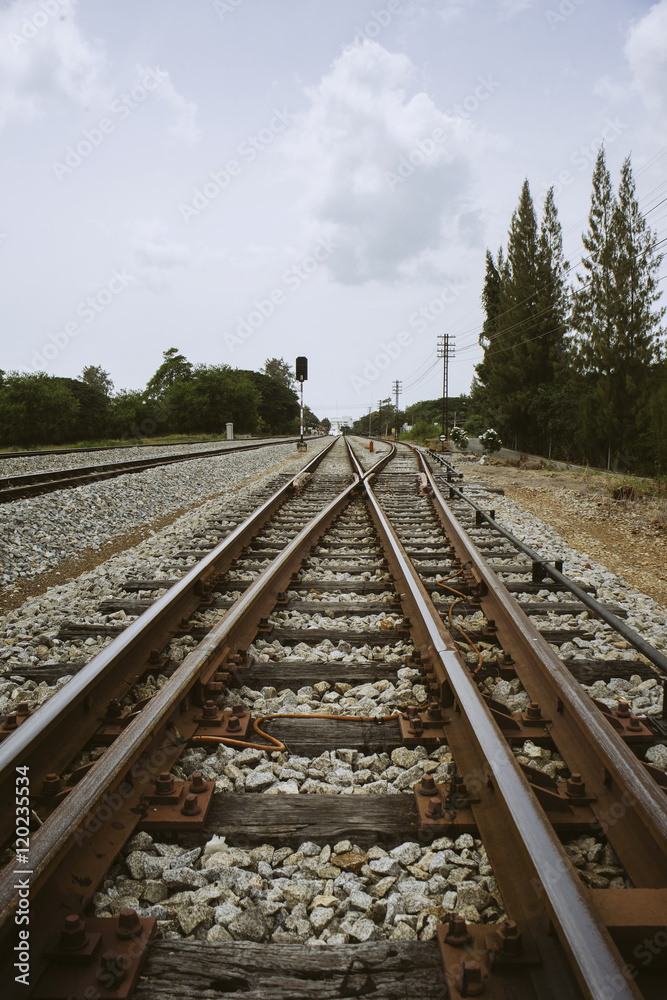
column 48, row 739
column 525, row 839
column 611, row 770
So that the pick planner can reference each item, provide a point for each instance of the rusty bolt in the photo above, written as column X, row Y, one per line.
column 506, row 660
column 129, row 924
column 190, row 806
column 534, row 711
column 10, row 721
column 411, row 711
column 209, row 710
column 164, row 785
column 457, row 932
column 197, row 785
column 509, row 938
column 427, row 785
column 50, row 785
column 623, row 710
column 576, row 786
column 434, row 809
column 458, row 785
column 23, row 708
column 234, row 724
column 434, row 711
column 470, row 983
column 416, row 726
column 634, row 723
column 238, row 709
column 114, row 709
column 73, row 934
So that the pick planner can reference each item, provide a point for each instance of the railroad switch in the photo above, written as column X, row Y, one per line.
column 177, row 805
column 419, row 727
column 529, row 725
column 628, row 726
column 96, row 956
column 566, row 803
column 490, row 960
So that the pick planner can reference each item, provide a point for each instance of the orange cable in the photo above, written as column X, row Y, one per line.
column 461, row 598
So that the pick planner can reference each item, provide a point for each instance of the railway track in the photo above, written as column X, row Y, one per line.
column 30, row 484
column 337, row 757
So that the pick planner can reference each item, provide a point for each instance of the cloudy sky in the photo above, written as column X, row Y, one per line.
column 243, row 179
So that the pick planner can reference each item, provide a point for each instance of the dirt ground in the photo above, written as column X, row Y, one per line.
column 629, row 537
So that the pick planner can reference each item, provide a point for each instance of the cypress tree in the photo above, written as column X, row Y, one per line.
column 613, row 313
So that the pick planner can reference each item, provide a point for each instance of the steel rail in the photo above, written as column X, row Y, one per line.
column 122, row 447
column 596, row 960
column 237, row 627
column 72, row 713
column 49, row 481
column 574, row 713
column 640, row 644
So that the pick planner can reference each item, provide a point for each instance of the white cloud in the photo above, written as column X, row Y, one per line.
column 154, row 256
column 185, row 126
column 384, row 173
column 510, row 8
column 646, row 52
column 43, row 54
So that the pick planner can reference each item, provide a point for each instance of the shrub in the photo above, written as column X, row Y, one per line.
column 490, row 440
column 459, row 438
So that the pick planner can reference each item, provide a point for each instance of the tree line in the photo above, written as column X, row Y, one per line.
column 180, row 398
column 576, row 368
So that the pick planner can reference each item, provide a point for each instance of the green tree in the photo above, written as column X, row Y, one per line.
column 131, row 415
column 278, row 405
column 37, row 409
column 614, row 314
column 174, row 368
column 278, row 369
column 211, row 396
column 96, row 376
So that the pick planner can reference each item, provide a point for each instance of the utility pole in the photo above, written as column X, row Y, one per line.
column 370, row 409
column 397, row 389
column 379, row 418
column 446, row 351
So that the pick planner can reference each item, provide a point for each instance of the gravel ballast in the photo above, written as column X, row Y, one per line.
column 41, row 532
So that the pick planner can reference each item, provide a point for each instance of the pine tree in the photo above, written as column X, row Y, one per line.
column 635, row 268
column 593, row 305
column 613, row 313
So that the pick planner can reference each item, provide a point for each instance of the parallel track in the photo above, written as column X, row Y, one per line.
column 36, row 483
